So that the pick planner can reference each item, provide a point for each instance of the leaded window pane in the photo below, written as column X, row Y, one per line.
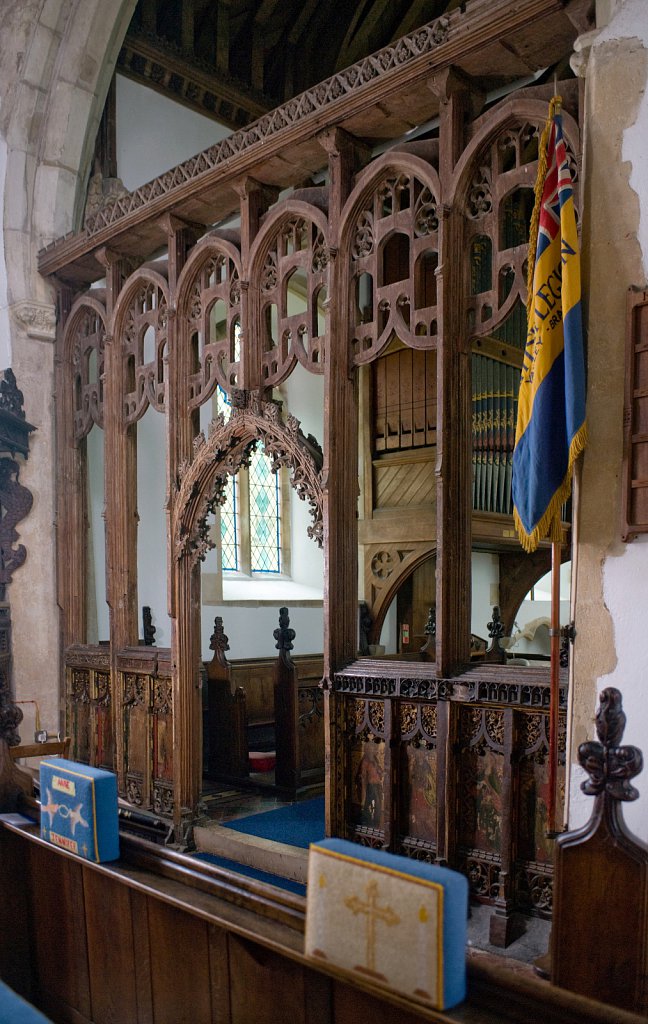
column 265, row 521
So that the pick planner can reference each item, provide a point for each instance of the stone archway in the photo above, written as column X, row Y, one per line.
column 57, row 61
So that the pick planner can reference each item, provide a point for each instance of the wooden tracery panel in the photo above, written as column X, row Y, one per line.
column 212, row 320
column 85, row 336
column 394, row 258
column 290, row 263
column 144, row 346
column 90, row 706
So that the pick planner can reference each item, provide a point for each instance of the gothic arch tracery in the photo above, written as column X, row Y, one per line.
column 225, row 450
column 209, row 314
column 390, row 241
column 141, row 329
column 289, row 266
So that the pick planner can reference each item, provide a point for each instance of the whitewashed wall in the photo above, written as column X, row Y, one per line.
column 611, row 578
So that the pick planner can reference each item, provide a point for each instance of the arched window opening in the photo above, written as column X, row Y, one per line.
column 515, row 218
column 217, row 321
column 396, row 259
column 481, row 265
column 364, row 299
column 297, row 292
column 425, row 281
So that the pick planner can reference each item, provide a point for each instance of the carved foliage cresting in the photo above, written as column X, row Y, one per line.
column 391, row 58
column 229, row 444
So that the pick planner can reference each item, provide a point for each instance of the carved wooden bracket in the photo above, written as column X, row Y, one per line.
column 229, row 446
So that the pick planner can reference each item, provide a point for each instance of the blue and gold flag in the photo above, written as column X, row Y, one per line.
column 551, row 429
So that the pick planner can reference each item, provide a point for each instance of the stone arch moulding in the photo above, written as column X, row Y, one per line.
column 226, row 449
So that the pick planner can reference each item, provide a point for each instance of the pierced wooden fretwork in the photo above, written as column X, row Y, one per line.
column 394, row 250
column 210, row 312
column 144, row 347
column 291, row 258
column 202, row 483
column 85, row 340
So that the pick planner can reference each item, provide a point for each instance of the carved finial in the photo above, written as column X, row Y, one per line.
column 610, row 766
column 428, row 650
column 284, row 635
column 430, row 625
column 496, row 631
column 366, row 622
column 148, row 628
column 219, row 641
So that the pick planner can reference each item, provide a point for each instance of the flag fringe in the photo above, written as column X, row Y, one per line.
column 549, row 524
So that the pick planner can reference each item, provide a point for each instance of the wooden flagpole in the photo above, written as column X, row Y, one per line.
column 554, row 686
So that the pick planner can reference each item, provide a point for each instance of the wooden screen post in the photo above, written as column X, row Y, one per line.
column 554, row 688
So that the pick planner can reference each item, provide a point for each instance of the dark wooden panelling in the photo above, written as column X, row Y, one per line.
column 283, row 984
column 113, row 984
column 351, row 1007
column 180, row 966
column 142, row 964
column 16, row 968
column 219, row 975
column 58, row 922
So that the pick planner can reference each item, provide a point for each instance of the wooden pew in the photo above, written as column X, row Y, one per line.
column 265, row 704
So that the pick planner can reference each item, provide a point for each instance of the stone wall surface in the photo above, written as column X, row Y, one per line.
column 610, row 577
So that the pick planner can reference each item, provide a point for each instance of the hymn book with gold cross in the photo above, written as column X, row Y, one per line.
column 398, row 922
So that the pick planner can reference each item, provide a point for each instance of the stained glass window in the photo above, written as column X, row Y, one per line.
column 229, row 513
column 265, row 518
column 257, row 493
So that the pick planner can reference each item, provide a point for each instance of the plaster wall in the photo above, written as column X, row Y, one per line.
column 611, row 578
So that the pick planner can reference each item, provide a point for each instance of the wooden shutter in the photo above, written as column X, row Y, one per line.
column 635, row 418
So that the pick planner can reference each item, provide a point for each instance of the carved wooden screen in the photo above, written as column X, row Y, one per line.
column 211, row 316
column 635, row 419
column 144, row 346
column 394, row 257
column 87, row 337
column 289, row 266
column 392, row 261
column 90, row 706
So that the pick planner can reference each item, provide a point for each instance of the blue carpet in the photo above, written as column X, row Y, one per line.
column 262, row 876
column 299, row 824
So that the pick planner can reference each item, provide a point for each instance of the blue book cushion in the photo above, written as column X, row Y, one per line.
column 15, row 1010
column 398, row 922
column 79, row 809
